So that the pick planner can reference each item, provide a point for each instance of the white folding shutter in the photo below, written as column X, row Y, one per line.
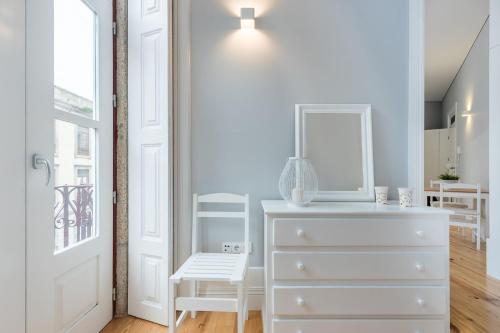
column 149, row 167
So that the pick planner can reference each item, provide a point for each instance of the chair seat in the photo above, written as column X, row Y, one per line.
column 463, row 212
column 457, row 223
column 213, row 267
column 451, row 205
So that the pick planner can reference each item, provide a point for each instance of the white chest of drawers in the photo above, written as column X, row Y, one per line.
column 355, row 268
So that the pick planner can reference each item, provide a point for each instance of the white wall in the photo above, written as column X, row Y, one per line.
column 493, row 254
column 470, row 91
column 245, row 85
column 12, row 167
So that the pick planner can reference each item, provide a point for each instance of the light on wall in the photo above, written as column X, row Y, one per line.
column 467, row 114
column 247, row 16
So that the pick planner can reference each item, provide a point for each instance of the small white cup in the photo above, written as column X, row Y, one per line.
column 381, row 193
column 405, row 197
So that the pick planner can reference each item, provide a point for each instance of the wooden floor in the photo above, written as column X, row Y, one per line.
column 206, row 322
column 475, row 298
column 475, row 301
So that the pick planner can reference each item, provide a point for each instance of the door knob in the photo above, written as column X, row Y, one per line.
column 420, row 302
column 300, row 266
column 39, row 163
column 420, row 234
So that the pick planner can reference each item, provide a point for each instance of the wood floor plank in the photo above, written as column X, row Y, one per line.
column 475, row 297
column 475, row 300
column 205, row 322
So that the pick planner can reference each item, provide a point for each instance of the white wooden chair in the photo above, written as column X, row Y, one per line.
column 212, row 267
column 465, row 217
column 450, row 202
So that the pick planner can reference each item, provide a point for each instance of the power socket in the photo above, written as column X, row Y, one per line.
column 234, row 247
column 227, row 247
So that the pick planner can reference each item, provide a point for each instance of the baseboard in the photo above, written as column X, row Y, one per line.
column 255, row 286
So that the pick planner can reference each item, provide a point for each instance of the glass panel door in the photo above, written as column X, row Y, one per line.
column 74, row 184
column 69, row 146
column 75, row 72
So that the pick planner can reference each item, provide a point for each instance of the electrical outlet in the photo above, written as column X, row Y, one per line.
column 227, row 247
column 237, row 248
column 234, row 247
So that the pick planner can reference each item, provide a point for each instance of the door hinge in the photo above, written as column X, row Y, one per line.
column 114, row 197
column 114, row 28
column 114, row 100
column 114, row 294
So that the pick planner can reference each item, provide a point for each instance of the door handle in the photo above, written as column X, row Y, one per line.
column 39, row 163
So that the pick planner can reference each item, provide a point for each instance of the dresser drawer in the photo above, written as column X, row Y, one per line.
column 358, row 266
column 359, row 301
column 359, row 326
column 359, row 232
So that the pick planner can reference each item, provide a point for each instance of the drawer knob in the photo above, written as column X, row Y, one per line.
column 300, row 301
column 419, row 267
column 420, row 302
column 300, row 233
column 300, row 266
column 420, row 234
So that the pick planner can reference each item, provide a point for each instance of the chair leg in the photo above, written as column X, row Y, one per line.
column 194, row 293
column 241, row 303
column 172, row 318
column 478, row 236
column 245, row 292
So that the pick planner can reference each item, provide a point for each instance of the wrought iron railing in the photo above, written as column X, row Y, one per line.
column 74, row 213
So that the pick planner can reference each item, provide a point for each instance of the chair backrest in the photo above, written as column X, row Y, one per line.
column 435, row 183
column 476, row 191
column 221, row 198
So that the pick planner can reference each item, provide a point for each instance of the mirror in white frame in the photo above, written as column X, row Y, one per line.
column 337, row 139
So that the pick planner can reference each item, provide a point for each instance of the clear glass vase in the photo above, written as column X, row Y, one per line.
column 298, row 183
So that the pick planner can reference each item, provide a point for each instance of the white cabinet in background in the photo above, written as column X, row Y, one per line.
column 355, row 267
column 439, row 148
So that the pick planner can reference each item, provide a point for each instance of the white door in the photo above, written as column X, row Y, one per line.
column 444, row 150
column 69, row 187
column 149, row 158
column 12, row 168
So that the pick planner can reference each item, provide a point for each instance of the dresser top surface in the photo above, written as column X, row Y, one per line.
column 347, row 208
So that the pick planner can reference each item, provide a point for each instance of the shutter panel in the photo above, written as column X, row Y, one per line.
column 149, row 150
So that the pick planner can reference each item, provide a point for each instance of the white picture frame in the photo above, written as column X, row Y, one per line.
column 366, row 192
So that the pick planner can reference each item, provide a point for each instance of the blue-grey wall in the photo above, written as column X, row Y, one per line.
column 245, row 85
column 470, row 90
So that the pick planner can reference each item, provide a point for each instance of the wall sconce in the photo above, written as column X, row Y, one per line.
column 247, row 18
column 467, row 114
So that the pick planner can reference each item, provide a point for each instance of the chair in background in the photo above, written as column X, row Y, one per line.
column 213, row 267
column 449, row 202
column 469, row 217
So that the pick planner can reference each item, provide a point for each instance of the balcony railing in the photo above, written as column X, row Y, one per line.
column 73, row 214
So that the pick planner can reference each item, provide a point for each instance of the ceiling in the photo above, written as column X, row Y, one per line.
column 451, row 28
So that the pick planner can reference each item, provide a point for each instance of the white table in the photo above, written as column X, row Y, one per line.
column 464, row 194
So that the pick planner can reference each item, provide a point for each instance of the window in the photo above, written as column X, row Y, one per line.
column 77, row 121
column 74, row 57
column 82, row 142
column 82, row 175
column 75, row 185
